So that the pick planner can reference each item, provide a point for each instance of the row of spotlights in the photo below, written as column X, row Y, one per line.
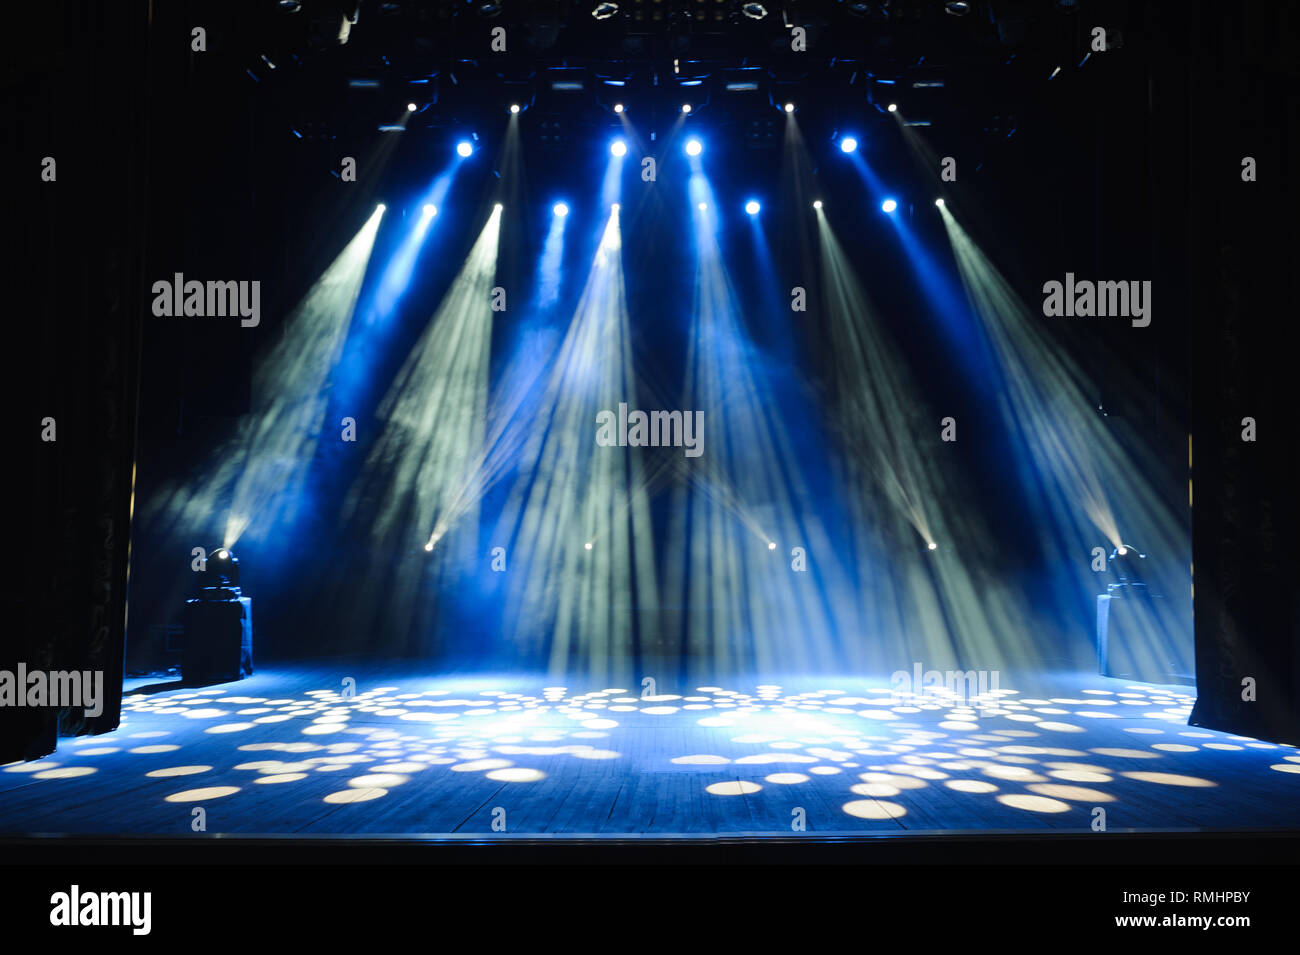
column 619, row 148
column 752, row 206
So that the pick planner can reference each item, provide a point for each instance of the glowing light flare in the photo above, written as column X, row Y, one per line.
column 268, row 461
column 571, row 602
column 434, row 414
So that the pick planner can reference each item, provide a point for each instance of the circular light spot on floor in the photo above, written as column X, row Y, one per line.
column 156, row 748
column 595, row 754
column 1033, row 803
column 98, row 750
column 1080, row 776
column 1076, row 793
column 1170, row 779
column 1060, row 727
column 64, row 772
column 700, row 759
column 280, row 778
column 760, row 758
column 825, row 770
column 178, row 771
column 516, row 774
column 230, row 728
column 874, row 809
column 1125, row 753
column 1013, row 773
column 874, row 789
column 1286, row 767
column 959, row 726
column 599, row 724
column 320, row 729
column 970, row 786
column 789, row 779
column 377, row 781
column 733, row 787
column 355, row 795
column 198, row 795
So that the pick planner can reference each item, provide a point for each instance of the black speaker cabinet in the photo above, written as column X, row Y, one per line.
column 218, row 640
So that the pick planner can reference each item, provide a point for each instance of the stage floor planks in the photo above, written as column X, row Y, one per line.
column 285, row 752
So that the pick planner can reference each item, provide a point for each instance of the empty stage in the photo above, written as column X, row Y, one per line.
column 304, row 751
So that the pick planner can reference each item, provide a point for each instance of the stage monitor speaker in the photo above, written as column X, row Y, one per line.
column 218, row 639
column 1126, row 649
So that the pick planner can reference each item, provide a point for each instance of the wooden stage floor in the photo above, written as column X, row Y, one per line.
column 286, row 752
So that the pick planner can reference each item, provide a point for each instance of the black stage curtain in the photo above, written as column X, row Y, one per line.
column 73, row 89
column 1245, row 518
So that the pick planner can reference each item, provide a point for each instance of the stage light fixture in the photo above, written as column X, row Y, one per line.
column 755, row 11
column 789, row 107
column 702, row 206
column 893, row 107
column 381, row 207
column 464, row 149
column 932, row 546
column 614, row 207
column 939, row 203
column 889, row 205
column 1127, row 565
column 958, row 8
column 514, row 107
column 752, row 207
column 410, row 107
column 817, row 203
column 686, row 107
column 618, row 147
column 848, row 144
column 618, row 107
column 771, row 545
column 496, row 207
column 694, row 147
column 430, row 209
column 223, row 573
column 560, row 209
column 603, row 11
column 587, row 545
